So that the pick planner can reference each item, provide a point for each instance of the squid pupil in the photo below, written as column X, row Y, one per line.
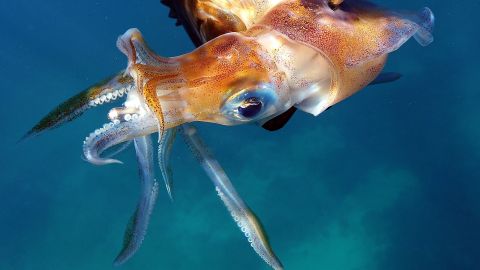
column 250, row 107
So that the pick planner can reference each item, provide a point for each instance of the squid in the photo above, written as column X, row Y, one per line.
column 256, row 62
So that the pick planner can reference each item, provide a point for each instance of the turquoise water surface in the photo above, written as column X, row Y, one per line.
column 388, row 179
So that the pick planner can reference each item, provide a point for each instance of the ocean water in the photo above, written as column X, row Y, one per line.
column 388, row 179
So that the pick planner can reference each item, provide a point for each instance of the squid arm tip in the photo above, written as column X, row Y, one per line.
column 99, row 161
column 119, row 261
column 116, row 161
column 108, row 161
column 170, row 195
column 26, row 136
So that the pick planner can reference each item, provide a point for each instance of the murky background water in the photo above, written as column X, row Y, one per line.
column 388, row 179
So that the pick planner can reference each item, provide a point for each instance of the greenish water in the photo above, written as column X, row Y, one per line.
column 388, row 179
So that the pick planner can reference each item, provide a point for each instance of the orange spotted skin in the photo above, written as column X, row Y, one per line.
column 276, row 45
column 204, row 79
column 237, row 63
column 353, row 41
column 348, row 42
column 216, row 21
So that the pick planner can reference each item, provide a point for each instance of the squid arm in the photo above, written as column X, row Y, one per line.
column 114, row 133
column 106, row 91
column 137, row 227
column 386, row 77
column 165, row 144
column 241, row 213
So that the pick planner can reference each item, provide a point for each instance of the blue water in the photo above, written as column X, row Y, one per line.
column 388, row 179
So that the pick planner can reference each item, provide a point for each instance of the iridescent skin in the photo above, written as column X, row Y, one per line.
column 351, row 48
column 274, row 54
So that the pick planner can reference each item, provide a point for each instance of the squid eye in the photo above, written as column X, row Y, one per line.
column 250, row 107
column 250, row 104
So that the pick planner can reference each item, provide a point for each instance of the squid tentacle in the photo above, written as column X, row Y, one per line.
column 114, row 133
column 241, row 213
column 137, row 227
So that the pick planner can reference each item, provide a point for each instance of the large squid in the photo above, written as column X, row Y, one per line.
column 257, row 61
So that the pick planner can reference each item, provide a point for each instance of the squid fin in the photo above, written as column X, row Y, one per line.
column 105, row 91
column 386, row 77
column 425, row 19
column 397, row 29
column 279, row 121
column 137, row 227
column 419, row 25
column 241, row 213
